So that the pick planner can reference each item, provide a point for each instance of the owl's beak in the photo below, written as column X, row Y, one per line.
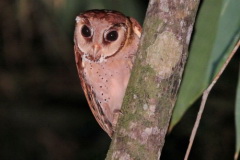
column 96, row 49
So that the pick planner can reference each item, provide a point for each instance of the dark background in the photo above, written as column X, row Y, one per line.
column 43, row 112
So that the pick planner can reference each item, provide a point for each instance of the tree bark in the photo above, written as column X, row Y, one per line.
column 155, row 79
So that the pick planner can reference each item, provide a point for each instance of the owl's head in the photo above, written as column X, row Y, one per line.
column 100, row 34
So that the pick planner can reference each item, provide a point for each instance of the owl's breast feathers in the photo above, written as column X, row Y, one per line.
column 94, row 105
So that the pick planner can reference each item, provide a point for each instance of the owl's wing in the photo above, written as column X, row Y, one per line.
column 94, row 105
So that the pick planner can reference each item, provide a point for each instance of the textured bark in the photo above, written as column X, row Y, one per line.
column 155, row 79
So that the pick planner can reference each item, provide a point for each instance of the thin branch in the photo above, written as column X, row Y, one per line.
column 204, row 99
column 236, row 155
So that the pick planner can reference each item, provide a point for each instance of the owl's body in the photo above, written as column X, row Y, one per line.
column 105, row 47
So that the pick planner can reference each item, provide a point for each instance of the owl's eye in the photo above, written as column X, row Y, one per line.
column 86, row 32
column 112, row 36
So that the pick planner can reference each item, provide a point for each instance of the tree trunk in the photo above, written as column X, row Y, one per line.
column 155, row 79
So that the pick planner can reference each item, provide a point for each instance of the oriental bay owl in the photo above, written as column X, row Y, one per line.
column 105, row 48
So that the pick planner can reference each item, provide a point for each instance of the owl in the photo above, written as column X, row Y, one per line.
column 105, row 45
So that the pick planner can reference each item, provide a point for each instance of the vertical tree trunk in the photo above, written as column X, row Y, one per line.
column 155, row 79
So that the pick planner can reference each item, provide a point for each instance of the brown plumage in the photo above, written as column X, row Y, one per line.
column 105, row 48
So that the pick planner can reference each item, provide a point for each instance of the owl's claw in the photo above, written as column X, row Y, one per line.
column 116, row 115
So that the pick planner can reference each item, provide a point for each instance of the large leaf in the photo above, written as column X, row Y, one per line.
column 217, row 30
column 237, row 119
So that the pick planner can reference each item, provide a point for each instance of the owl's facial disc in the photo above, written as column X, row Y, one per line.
column 99, row 39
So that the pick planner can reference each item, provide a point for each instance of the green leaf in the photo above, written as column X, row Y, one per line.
column 237, row 119
column 217, row 30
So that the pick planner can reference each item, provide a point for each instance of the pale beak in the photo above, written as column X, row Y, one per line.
column 96, row 49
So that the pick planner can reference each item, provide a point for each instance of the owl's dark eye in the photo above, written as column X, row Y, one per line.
column 112, row 36
column 86, row 32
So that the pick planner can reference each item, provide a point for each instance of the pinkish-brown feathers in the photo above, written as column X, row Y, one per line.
column 104, row 80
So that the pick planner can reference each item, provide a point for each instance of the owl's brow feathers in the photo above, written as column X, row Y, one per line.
column 111, row 16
